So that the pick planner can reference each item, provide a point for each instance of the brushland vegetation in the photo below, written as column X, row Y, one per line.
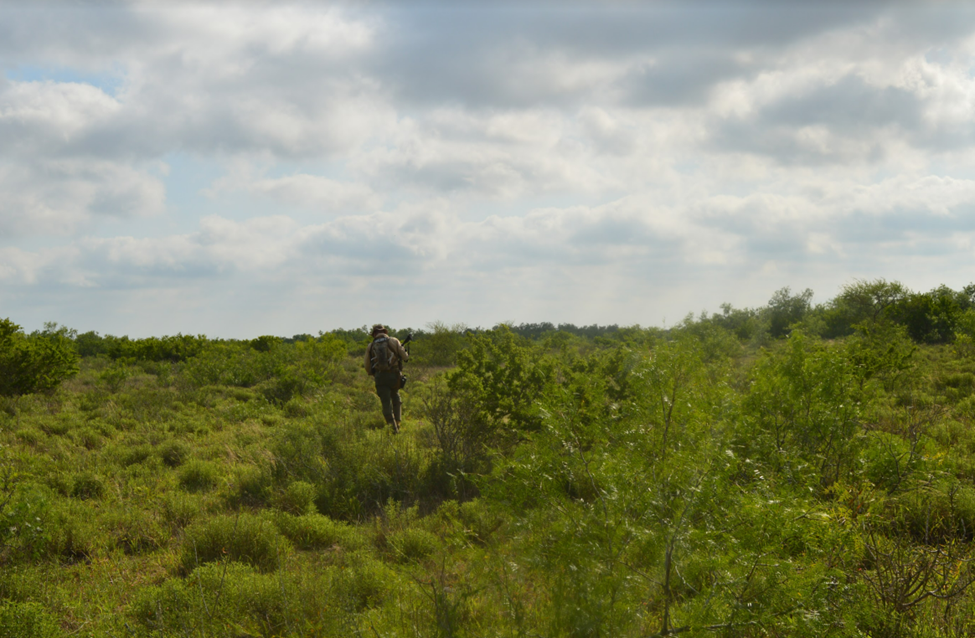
column 788, row 470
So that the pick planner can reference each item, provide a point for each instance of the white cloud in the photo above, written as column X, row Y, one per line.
column 50, row 116
column 485, row 159
column 496, row 155
column 61, row 197
column 927, row 195
column 311, row 192
column 19, row 266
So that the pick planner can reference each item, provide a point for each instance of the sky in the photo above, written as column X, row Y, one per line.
column 244, row 168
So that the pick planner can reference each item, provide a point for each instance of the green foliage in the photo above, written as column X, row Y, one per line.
column 87, row 485
column 298, row 498
column 25, row 519
column 931, row 317
column 881, row 350
column 37, row 526
column 179, row 509
column 242, row 538
column 965, row 332
column 785, row 310
column 462, row 432
column 299, row 451
column 412, row 544
column 174, row 452
column 114, row 376
column 672, row 381
column 366, row 584
column 27, row 620
column 315, row 531
column 265, row 343
column 198, row 476
column 35, row 363
column 803, row 403
column 173, row 349
column 135, row 532
column 233, row 600
column 501, row 376
column 556, row 480
column 888, row 460
column 250, row 486
column 280, row 372
column 438, row 345
column 862, row 303
column 934, row 513
column 745, row 324
column 368, row 470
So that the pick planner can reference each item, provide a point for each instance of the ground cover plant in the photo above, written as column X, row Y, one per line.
column 789, row 470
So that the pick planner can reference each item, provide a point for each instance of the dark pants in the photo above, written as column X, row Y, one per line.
column 387, row 387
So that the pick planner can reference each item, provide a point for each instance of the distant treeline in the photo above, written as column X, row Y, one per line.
column 930, row 317
column 181, row 347
column 933, row 317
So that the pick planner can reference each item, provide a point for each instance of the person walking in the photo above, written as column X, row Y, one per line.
column 384, row 361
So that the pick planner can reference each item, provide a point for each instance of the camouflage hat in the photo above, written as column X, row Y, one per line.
column 376, row 329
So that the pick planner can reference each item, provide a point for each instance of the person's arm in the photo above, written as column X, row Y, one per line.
column 400, row 351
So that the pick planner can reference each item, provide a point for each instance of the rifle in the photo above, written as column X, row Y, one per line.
column 404, row 343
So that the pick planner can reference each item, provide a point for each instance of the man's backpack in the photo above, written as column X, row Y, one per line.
column 381, row 355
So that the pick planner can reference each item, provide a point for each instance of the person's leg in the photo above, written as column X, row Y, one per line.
column 385, row 390
column 397, row 406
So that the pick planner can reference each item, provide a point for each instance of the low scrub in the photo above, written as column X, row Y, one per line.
column 243, row 538
column 315, row 531
column 298, row 498
column 199, row 476
column 27, row 620
column 234, row 600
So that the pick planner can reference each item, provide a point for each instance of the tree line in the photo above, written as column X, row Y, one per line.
column 39, row 361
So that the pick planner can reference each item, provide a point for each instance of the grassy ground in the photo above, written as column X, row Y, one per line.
column 157, row 499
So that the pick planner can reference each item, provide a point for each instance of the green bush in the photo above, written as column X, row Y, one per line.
column 134, row 531
column 412, row 544
column 803, row 401
column 887, row 460
column 55, row 427
column 244, row 538
column 296, row 408
column 299, row 451
column 935, row 514
column 70, row 533
column 439, row 345
column 480, row 522
column 315, row 531
column 27, row 521
column 198, row 476
column 134, row 454
column 87, row 485
column 30, row 436
column 365, row 584
column 502, row 375
column 250, row 486
column 368, row 471
column 232, row 600
column 180, row 509
column 88, row 438
column 287, row 384
column 35, row 363
column 27, row 620
column 114, row 376
column 148, row 404
column 298, row 498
